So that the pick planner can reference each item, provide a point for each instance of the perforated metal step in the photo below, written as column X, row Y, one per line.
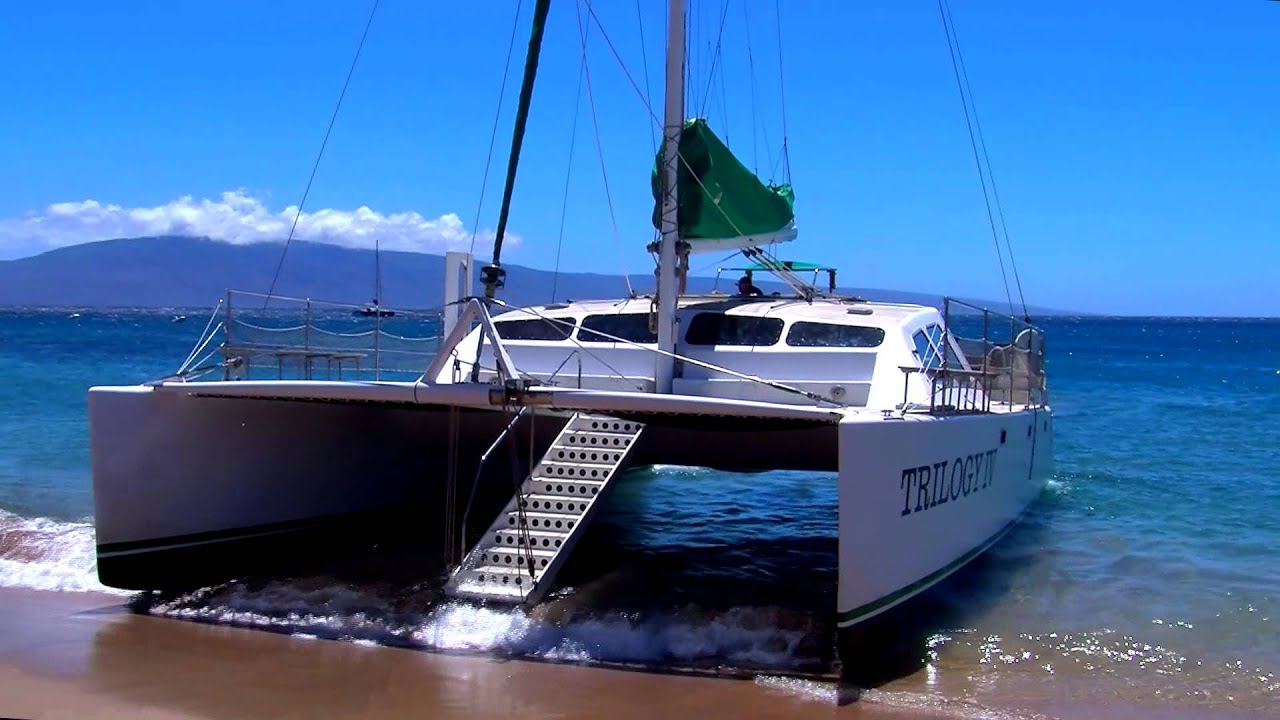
column 517, row 559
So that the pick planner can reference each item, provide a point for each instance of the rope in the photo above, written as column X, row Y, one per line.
column 212, row 316
column 199, row 349
column 267, row 329
column 977, row 158
column 316, row 165
column 493, row 136
column 568, row 173
column 586, row 68
column 995, row 192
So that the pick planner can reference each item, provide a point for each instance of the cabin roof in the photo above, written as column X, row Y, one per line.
column 825, row 310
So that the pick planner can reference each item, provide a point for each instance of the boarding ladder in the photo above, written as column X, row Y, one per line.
column 517, row 558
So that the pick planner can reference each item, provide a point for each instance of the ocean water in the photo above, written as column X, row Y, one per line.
column 1147, row 575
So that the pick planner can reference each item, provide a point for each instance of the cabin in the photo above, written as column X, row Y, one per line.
column 850, row 352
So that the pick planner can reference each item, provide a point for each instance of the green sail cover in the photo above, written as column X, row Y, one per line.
column 746, row 206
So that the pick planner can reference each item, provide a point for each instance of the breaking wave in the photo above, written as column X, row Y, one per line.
column 44, row 554
column 692, row 636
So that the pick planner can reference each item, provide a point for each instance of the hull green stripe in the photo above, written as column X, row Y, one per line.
column 849, row 616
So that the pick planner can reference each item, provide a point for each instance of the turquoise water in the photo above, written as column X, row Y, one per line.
column 1148, row 572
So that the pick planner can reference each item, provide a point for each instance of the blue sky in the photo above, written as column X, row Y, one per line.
column 1135, row 144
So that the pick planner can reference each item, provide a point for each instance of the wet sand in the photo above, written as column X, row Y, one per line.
column 74, row 655
column 65, row 655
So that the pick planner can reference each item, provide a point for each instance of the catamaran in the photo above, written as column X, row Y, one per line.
column 935, row 421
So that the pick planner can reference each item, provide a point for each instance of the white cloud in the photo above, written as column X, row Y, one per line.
column 237, row 218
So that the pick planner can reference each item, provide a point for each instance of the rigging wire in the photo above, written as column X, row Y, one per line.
column 648, row 92
column 647, row 105
column 568, row 173
column 782, row 89
column 316, row 165
column 995, row 192
column 776, row 268
column 751, row 68
column 724, row 106
column 644, row 59
column 497, row 116
column 715, row 60
column 591, row 102
column 690, row 44
column 977, row 158
column 713, row 263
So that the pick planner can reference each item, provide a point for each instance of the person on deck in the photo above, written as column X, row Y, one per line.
column 746, row 288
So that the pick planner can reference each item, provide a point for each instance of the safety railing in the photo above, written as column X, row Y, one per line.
column 302, row 339
column 981, row 361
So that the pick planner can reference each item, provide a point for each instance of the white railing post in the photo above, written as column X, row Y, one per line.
column 457, row 285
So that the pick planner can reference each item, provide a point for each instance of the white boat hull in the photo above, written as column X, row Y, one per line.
column 195, row 483
column 183, row 483
column 923, row 495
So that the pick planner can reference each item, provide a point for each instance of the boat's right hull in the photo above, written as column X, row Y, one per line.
column 920, row 498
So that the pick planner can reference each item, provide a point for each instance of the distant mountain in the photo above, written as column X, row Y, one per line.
column 196, row 272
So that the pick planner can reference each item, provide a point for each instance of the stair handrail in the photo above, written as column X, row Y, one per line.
column 484, row 458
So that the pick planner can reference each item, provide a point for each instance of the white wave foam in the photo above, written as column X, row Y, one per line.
column 827, row 693
column 743, row 636
column 44, row 554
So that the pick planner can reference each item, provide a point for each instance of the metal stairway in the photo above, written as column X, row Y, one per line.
column 517, row 558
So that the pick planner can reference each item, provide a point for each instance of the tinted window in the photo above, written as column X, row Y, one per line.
column 718, row 329
column 930, row 343
column 927, row 356
column 632, row 326
column 533, row 329
column 815, row 334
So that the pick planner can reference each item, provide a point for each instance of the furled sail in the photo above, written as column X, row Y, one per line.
column 722, row 204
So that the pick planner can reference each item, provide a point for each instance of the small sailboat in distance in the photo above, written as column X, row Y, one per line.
column 373, row 309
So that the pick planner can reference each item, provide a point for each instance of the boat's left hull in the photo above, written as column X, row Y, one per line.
column 193, row 487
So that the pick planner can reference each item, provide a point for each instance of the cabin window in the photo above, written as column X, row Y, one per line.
column 930, row 343
column 721, row 329
column 633, row 327
column 534, row 329
column 816, row 334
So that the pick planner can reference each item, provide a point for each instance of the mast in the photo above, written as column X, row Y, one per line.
column 493, row 275
column 377, row 272
column 673, row 125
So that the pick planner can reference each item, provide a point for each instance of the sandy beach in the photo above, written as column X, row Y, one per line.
column 65, row 655
column 74, row 655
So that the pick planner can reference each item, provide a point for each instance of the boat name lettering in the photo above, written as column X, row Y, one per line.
column 927, row 486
